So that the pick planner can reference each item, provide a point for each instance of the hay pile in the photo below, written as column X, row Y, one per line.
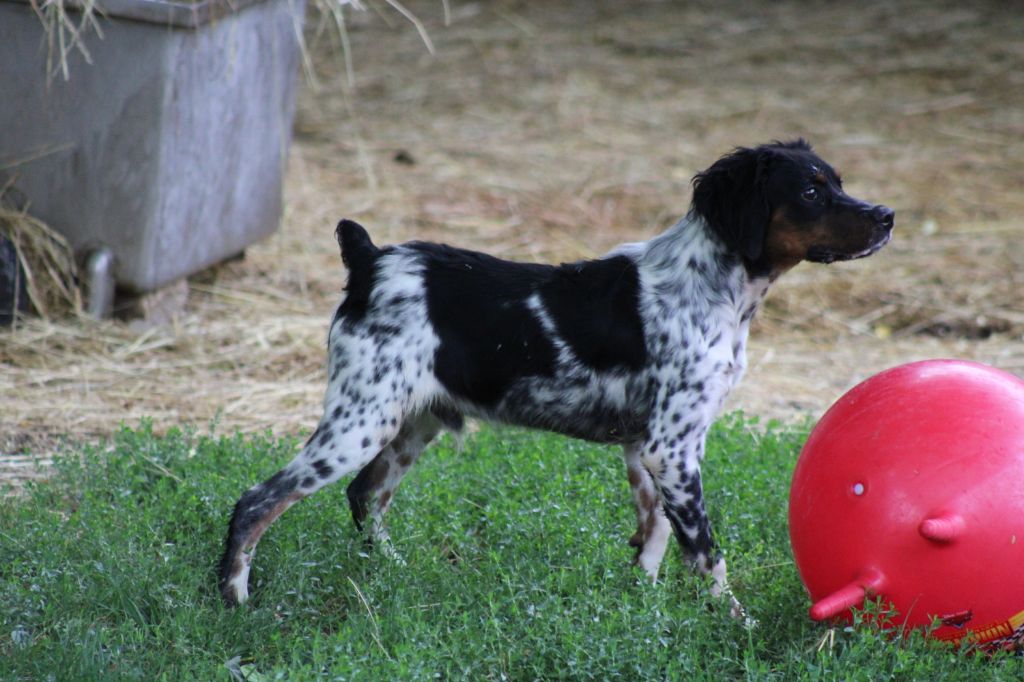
column 45, row 258
column 555, row 130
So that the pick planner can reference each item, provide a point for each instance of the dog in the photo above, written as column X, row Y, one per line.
column 640, row 348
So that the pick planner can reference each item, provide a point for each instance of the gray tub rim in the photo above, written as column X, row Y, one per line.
column 184, row 15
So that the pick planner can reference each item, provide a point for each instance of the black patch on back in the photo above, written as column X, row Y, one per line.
column 595, row 308
column 490, row 338
column 477, row 307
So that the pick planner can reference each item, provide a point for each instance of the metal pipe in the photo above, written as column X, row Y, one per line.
column 99, row 281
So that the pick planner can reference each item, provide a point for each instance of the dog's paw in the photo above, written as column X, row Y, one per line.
column 737, row 612
column 388, row 550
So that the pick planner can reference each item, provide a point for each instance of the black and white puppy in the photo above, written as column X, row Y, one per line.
column 639, row 347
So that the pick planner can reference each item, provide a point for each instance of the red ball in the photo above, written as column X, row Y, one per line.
column 911, row 489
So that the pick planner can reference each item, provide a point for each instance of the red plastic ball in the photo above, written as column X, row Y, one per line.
column 911, row 489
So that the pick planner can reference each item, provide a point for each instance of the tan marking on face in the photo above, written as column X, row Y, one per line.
column 786, row 244
column 841, row 233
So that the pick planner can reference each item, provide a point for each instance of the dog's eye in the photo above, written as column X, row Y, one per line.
column 810, row 194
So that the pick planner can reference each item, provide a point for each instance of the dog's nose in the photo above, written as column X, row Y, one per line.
column 884, row 216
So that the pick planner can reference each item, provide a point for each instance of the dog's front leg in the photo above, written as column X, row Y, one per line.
column 672, row 454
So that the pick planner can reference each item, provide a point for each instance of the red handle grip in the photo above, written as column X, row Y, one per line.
column 942, row 528
column 867, row 582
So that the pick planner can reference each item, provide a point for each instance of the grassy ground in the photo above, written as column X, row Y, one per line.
column 517, row 569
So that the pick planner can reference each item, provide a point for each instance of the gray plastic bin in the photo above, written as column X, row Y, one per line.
column 169, row 148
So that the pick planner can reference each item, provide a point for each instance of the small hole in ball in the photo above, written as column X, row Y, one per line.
column 858, row 489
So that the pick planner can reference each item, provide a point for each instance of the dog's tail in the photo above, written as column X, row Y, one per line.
column 356, row 247
column 359, row 255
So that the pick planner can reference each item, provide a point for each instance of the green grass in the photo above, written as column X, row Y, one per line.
column 517, row 569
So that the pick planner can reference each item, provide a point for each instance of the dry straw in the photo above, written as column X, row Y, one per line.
column 45, row 257
column 66, row 24
column 551, row 131
column 331, row 17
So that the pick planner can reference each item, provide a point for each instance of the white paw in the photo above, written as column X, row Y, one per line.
column 720, row 590
column 737, row 612
column 654, row 549
column 383, row 542
column 239, row 585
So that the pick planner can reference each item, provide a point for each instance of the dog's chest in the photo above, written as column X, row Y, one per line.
column 722, row 367
column 702, row 352
column 707, row 359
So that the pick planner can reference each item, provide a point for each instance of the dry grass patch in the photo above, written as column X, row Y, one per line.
column 556, row 130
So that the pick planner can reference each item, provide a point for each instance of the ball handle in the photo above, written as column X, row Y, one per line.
column 869, row 581
column 942, row 528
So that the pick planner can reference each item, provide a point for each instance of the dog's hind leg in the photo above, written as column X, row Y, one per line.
column 371, row 492
column 652, row 526
column 345, row 441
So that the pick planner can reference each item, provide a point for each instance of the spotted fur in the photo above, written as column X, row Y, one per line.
column 640, row 347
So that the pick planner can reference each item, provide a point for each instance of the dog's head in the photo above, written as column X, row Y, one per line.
column 779, row 204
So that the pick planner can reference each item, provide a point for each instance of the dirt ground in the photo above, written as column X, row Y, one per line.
column 554, row 130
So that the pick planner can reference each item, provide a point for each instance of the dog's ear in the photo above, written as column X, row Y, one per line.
column 732, row 197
